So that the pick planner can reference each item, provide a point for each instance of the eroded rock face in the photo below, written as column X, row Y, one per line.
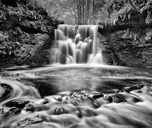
column 128, row 48
column 26, row 30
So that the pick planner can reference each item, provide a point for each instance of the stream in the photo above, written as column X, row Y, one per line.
column 76, row 96
column 78, row 90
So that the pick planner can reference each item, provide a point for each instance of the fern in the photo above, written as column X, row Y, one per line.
column 123, row 13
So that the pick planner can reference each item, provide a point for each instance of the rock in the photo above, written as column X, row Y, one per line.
column 59, row 111
column 2, row 91
column 118, row 98
column 9, row 111
column 5, row 91
column 81, row 98
column 128, row 50
column 12, row 3
column 108, row 98
column 30, row 30
column 46, row 100
column 128, row 89
column 108, row 57
column 18, row 103
column 30, row 107
column 27, row 30
column 63, row 59
column 27, row 122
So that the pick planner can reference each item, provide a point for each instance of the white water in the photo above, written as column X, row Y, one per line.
column 77, row 44
column 128, row 114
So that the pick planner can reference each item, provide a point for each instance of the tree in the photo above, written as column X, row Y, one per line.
column 73, row 11
column 127, row 15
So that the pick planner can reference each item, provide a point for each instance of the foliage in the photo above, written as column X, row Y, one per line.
column 23, row 30
column 7, row 47
column 94, row 11
column 44, row 14
column 72, row 11
column 126, row 10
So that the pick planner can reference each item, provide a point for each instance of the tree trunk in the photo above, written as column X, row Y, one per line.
column 78, row 11
column 83, row 11
column 106, row 29
column 93, row 8
column 87, row 11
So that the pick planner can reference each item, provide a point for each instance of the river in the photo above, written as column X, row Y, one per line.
column 76, row 96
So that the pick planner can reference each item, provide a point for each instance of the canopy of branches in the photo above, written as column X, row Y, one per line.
column 95, row 11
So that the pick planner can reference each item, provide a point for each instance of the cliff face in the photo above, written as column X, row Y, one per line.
column 24, row 31
column 131, row 49
column 128, row 42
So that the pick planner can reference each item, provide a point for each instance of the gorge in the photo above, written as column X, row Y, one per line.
column 56, row 75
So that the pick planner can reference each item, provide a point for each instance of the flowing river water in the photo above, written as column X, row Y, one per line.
column 76, row 95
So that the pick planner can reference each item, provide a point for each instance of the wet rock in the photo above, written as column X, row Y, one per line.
column 5, row 91
column 128, row 89
column 81, row 98
column 108, row 98
column 46, row 100
column 2, row 91
column 29, row 121
column 30, row 107
column 18, row 103
column 96, row 95
column 63, row 59
column 59, row 111
column 9, row 111
column 118, row 98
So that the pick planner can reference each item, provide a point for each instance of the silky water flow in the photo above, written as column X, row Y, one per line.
column 77, row 44
column 78, row 96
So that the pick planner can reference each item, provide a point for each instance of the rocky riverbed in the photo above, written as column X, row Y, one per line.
column 76, row 96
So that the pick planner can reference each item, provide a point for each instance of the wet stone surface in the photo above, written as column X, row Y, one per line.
column 5, row 91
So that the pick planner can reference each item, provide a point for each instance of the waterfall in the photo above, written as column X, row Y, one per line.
column 77, row 44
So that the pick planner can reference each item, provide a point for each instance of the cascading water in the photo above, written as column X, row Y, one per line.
column 74, row 96
column 77, row 44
